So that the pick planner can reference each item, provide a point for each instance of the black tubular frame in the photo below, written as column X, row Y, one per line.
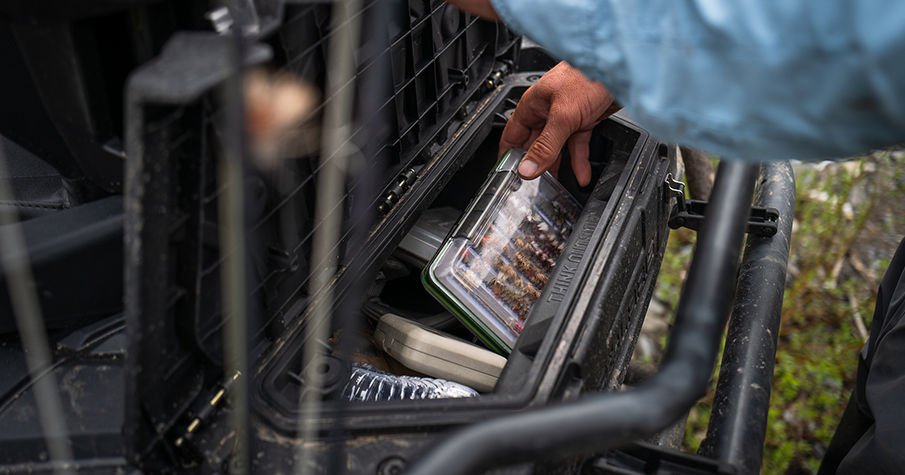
column 608, row 420
column 738, row 421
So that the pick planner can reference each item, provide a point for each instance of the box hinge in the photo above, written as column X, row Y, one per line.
column 403, row 182
column 496, row 76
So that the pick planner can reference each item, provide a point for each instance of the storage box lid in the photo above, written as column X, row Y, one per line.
column 438, row 60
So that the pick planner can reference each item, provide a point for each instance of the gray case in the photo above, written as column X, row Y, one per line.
column 436, row 354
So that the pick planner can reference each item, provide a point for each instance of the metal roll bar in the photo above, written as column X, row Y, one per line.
column 608, row 420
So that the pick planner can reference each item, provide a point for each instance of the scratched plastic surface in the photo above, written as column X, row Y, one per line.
column 369, row 384
column 495, row 273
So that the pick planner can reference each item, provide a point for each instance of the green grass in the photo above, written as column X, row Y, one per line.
column 819, row 339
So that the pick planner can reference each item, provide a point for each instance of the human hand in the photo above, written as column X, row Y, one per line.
column 560, row 109
column 481, row 8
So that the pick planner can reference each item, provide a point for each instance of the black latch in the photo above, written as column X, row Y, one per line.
column 690, row 213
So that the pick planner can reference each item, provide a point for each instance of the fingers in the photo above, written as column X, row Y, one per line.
column 544, row 151
column 527, row 119
column 613, row 108
column 579, row 149
column 516, row 134
column 561, row 103
column 534, row 134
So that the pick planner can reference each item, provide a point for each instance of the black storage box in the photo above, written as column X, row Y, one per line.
column 455, row 79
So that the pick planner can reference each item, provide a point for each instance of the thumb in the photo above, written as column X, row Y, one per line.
column 545, row 150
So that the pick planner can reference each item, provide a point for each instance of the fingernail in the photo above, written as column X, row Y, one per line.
column 527, row 168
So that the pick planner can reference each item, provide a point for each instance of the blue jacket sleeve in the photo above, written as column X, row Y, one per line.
column 753, row 79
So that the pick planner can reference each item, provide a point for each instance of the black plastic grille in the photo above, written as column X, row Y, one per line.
column 437, row 59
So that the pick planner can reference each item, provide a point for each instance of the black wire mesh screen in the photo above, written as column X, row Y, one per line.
column 438, row 59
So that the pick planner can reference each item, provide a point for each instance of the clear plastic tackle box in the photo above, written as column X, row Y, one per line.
column 496, row 261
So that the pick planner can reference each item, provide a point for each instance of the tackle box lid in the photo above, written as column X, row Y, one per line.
column 438, row 60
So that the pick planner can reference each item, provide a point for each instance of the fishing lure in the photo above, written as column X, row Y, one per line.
column 536, row 275
column 543, row 259
column 513, row 300
column 515, row 280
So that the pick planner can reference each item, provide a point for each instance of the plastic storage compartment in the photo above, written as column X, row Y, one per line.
column 587, row 299
column 454, row 78
column 497, row 261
